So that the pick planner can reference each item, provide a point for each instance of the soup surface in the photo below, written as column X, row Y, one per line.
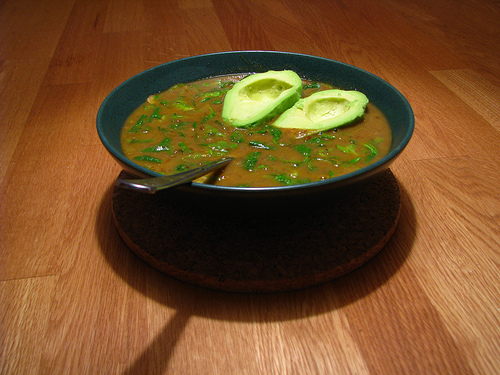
column 182, row 128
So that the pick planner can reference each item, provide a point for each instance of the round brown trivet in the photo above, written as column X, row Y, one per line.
column 255, row 245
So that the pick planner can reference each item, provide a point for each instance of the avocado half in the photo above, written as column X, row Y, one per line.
column 260, row 97
column 324, row 110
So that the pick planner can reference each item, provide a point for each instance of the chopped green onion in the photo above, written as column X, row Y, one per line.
column 138, row 125
column 208, row 117
column 373, row 151
column 181, row 104
column 303, row 149
column 135, row 140
column 261, row 145
column 351, row 149
column 155, row 115
column 147, row 158
column 251, row 160
column 237, row 137
column 162, row 146
column 286, row 179
column 184, row 148
column 313, row 85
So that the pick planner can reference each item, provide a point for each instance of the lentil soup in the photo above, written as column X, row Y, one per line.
column 182, row 128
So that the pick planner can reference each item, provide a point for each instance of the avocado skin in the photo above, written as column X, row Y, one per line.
column 324, row 110
column 242, row 107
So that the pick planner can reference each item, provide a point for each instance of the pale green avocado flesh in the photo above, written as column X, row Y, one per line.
column 324, row 110
column 261, row 97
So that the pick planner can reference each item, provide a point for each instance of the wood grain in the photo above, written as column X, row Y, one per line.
column 75, row 300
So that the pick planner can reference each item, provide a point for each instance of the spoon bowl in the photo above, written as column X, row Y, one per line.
column 152, row 185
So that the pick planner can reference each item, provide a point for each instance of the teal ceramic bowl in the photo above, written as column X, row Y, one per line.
column 124, row 99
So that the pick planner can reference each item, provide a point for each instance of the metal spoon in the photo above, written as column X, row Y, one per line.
column 154, row 184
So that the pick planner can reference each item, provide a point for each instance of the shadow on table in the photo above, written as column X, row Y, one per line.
column 189, row 300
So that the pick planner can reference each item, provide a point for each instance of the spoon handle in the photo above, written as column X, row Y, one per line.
column 154, row 184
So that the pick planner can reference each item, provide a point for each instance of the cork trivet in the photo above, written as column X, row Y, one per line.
column 254, row 245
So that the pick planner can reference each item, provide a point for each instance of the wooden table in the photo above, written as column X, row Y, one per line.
column 75, row 300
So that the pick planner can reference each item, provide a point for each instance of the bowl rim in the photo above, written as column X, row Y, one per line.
column 339, row 180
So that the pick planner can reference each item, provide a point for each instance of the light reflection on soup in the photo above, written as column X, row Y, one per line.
column 182, row 128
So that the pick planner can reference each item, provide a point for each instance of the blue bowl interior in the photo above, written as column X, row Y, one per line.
column 124, row 99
